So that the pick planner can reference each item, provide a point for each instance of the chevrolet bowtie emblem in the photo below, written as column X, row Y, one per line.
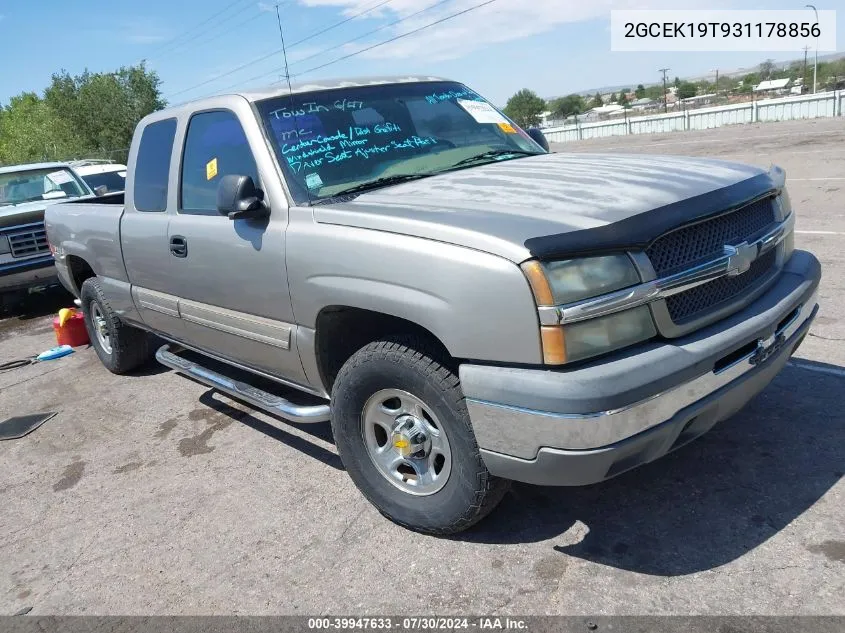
column 740, row 257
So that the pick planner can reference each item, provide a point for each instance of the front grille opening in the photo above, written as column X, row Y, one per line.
column 694, row 303
column 726, row 361
column 28, row 243
column 684, row 247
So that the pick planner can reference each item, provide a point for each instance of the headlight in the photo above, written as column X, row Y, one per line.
column 606, row 334
column 575, row 279
column 569, row 281
column 4, row 245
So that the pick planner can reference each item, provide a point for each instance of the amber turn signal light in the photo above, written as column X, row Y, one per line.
column 554, row 344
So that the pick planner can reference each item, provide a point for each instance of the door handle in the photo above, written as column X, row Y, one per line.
column 178, row 246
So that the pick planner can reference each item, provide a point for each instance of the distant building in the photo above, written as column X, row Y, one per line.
column 778, row 86
column 644, row 104
column 700, row 100
column 548, row 119
column 607, row 111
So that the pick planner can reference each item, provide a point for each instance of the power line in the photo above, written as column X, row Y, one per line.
column 369, row 48
column 341, row 45
column 368, row 33
column 169, row 44
column 398, row 37
column 277, row 51
column 227, row 30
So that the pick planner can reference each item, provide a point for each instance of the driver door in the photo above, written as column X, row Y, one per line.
column 232, row 282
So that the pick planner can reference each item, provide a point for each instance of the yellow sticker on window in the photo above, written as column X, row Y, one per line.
column 507, row 128
column 211, row 169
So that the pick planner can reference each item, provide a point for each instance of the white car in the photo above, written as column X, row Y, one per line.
column 98, row 173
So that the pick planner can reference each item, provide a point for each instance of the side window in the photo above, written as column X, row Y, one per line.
column 215, row 146
column 152, row 166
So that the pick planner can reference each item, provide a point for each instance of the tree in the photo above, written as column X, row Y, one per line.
column 623, row 100
column 639, row 93
column 766, row 68
column 597, row 101
column 614, row 98
column 567, row 106
column 686, row 89
column 104, row 108
column 655, row 93
column 29, row 132
column 677, row 82
column 90, row 115
column 525, row 108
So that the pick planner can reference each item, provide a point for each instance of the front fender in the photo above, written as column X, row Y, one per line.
column 479, row 305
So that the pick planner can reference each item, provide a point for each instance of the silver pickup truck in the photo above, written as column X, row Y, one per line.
column 464, row 306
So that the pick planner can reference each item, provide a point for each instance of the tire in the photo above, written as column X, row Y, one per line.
column 126, row 348
column 442, row 502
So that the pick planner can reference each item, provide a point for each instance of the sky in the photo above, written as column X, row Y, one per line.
column 202, row 47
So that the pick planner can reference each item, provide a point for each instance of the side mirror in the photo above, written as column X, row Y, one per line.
column 239, row 198
column 538, row 137
column 101, row 190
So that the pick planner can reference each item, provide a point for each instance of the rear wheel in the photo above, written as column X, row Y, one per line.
column 403, row 432
column 120, row 347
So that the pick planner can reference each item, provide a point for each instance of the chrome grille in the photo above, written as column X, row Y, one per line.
column 689, row 305
column 686, row 246
column 28, row 243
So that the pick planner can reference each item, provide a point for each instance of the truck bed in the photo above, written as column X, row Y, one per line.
column 90, row 229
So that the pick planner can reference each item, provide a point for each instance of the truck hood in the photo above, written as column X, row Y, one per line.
column 557, row 204
column 26, row 213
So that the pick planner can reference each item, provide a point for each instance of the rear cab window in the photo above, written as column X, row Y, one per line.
column 152, row 166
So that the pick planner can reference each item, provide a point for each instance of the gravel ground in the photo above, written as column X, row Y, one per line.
column 150, row 494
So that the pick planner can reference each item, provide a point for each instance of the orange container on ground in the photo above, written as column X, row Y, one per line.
column 70, row 328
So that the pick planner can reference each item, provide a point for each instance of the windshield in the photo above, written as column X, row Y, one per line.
column 333, row 141
column 113, row 180
column 39, row 184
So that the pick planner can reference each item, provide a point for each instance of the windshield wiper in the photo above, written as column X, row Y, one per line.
column 493, row 154
column 378, row 183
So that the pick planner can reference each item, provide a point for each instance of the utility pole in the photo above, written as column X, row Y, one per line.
column 804, row 75
column 665, row 104
column 816, row 62
column 717, row 80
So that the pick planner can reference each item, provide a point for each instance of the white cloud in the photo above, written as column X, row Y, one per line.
column 266, row 7
column 498, row 22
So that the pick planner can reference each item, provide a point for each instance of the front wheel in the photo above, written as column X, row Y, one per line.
column 404, row 435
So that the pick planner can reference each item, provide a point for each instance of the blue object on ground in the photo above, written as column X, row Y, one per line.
column 56, row 352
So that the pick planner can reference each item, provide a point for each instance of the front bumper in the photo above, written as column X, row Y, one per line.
column 28, row 273
column 583, row 425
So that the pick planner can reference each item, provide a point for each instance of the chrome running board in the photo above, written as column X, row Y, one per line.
column 301, row 414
